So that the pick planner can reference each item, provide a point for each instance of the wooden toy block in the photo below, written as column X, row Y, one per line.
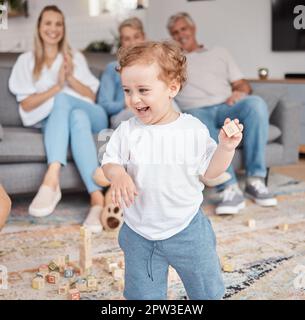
column 91, row 282
column 38, row 283
column 121, row 264
column 53, row 277
column 63, row 289
column 85, row 256
column 231, row 129
column 105, row 261
column 118, row 274
column 81, row 285
column 283, row 227
column 251, row 223
column 112, row 266
column 68, row 272
column 118, row 285
column 60, row 262
column 85, row 232
column 227, row 267
column 43, row 269
column 53, row 266
column 74, row 294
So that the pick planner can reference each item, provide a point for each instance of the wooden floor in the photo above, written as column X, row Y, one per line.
column 296, row 171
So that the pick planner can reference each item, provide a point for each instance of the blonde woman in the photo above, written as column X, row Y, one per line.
column 111, row 94
column 56, row 91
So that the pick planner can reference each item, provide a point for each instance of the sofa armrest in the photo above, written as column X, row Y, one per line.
column 286, row 116
column 1, row 133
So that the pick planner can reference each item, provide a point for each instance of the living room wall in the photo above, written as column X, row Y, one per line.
column 242, row 26
column 82, row 29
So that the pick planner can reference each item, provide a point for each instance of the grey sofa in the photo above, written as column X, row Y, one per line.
column 23, row 159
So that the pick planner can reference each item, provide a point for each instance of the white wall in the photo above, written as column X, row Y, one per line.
column 81, row 28
column 242, row 26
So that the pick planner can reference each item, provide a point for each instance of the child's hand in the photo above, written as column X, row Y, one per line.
column 123, row 190
column 231, row 143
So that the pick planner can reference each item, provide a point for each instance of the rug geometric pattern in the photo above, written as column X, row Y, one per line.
column 263, row 258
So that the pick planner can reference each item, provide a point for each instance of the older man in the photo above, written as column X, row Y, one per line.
column 215, row 90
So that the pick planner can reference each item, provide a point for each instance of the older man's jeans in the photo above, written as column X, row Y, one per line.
column 252, row 112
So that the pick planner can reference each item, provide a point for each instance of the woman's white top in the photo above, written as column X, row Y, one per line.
column 165, row 163
column 22, row 83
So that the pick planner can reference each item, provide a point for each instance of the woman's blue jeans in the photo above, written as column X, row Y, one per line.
column 74, row 120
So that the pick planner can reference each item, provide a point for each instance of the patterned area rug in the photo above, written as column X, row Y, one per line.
column 263, row 259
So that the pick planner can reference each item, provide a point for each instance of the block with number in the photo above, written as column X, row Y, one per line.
column 74, row 294
column 231, row 129
column 68, row 272
column 53, row 277
column 63, row 288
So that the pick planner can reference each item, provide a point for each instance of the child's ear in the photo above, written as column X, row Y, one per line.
column 174, row 89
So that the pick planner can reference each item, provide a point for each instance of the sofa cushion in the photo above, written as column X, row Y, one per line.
column 271, row 97
column 9, row 115
column 22, row 145
column 274, row 133
column 25, row 145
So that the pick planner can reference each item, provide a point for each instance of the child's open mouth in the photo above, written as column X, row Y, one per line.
column 142, row 110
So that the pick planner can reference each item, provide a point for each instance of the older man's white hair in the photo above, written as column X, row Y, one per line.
column 180, row 15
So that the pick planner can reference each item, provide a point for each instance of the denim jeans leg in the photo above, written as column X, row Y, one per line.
column 252, row 112
column 208, row 116
column 83, row 147
column 56, row 130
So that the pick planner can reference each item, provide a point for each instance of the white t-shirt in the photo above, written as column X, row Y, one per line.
column 209, row 77
column 22, row 84
column 165, row 162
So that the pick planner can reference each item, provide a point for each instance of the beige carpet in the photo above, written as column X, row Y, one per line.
column 263, row 258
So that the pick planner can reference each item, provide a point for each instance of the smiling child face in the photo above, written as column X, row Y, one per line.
column 146, row 94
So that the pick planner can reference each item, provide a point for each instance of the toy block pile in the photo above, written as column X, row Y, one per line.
column 70, row 279
column 116, row 269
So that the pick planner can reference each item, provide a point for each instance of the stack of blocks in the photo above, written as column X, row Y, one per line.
column 117, row 271
column 85, row 258
column 71, row 285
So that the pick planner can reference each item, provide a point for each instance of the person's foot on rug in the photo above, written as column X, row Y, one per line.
column 45, row 201
column 92, row 221
column 257, row 191
column 232, row 200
